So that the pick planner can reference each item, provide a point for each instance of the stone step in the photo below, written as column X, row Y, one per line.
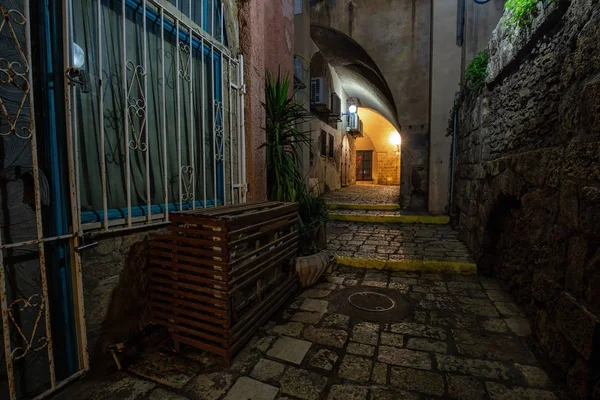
column 374, row 207
column 396, row 218
column 448, row 267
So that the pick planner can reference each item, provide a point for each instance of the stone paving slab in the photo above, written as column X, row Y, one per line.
column 364, row 194
column 457, row 344
column 396, row 242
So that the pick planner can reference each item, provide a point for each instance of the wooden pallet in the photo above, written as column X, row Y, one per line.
column 220, row 273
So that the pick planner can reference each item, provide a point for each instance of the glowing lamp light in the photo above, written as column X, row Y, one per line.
column 395, row 139
column 352, row 109
column 78, row 56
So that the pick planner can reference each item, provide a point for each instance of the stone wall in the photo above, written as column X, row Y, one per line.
column 528, row 182
column 115, row 286
column 389, row 168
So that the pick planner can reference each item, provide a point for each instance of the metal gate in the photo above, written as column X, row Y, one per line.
column 101, row 138
column 43, row 331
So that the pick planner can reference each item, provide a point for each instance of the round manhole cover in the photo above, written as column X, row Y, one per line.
column 371, row 304
column 371, row 301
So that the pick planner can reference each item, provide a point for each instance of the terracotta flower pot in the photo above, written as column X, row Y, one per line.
column 310, row 268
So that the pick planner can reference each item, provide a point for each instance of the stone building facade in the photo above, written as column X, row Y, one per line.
column 528, row 181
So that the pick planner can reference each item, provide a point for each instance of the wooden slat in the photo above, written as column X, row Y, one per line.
column 180, row 276
column 168, row 281
column 170, row 246
column 240, row 270
column 180, row 323
column 202, row 220
column 169, row 320
column 177, row 257
column 277, row 224
column 256, row 323
column 201, row 345
column 262, row 306
column 197, row 318
column 177, row 239
column 170, row 266
column 256, row 217
column 194, row 306
column 220, row 304
column 234, row 209
column 256, row 272
column 260, row 250
column 204, row 239
column 182, row 222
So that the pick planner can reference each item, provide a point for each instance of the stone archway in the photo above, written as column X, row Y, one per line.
column 361, row 78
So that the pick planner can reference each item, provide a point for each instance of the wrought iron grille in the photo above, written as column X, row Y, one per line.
column 29, row 243
column 172, row 80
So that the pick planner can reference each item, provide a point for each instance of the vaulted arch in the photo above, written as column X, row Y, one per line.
column 358, row 72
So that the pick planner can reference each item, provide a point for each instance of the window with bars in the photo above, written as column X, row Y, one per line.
column 158, row 127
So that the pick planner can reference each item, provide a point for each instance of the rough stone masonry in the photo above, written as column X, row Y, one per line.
column 528, row 181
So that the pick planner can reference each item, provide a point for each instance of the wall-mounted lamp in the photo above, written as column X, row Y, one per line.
column 76, row 74
column 395, row 140
column 78, row 56
column 352, row 109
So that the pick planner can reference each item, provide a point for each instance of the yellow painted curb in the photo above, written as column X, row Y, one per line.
column 453, row 267
column 400, row 219
column 374, row 207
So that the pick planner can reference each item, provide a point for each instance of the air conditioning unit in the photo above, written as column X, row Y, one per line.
column 336, row 105
column 355, row 125
column 353, row 122
column 319, row 94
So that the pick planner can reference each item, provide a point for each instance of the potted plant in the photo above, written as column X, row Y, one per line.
column 284, row 176
column 313, row 260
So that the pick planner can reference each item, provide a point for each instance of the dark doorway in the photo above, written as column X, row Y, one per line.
column 364, row 165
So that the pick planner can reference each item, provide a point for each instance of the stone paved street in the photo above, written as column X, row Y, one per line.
column 463, row 338
column 365, row 194
column 395, row 242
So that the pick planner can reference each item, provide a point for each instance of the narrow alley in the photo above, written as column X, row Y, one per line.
column 299, row 200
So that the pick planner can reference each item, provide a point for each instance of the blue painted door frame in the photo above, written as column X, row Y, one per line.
column 54, row 163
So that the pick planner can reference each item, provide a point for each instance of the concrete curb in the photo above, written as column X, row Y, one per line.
column 398, row 219
column 369, row 207
column 454, row 267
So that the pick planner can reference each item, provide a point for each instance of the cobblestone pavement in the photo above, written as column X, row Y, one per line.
column 395, row 242
column 463, row 338
column 364, row 194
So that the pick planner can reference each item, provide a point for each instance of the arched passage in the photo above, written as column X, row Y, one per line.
column 362, row 79
column 379, row 150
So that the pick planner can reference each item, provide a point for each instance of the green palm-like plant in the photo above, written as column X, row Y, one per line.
column 283, row 140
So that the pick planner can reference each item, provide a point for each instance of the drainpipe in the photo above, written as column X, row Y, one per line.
column 244, row 181
column 460, row 22
column 453, row 157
